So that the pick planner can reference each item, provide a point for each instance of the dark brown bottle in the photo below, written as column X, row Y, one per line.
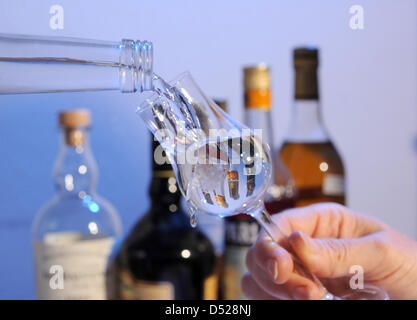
column 163, row 257
column 308, row 151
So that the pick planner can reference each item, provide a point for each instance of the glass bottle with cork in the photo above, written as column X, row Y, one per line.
column 74, row 233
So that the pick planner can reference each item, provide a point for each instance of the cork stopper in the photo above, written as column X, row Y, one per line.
column 257, row 77
column 75, row 118
column 73, row 122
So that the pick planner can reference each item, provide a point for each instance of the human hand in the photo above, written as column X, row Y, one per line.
column 329, row 239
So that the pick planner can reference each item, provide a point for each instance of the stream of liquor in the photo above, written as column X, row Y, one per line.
column 168, row 95
column 172, row 101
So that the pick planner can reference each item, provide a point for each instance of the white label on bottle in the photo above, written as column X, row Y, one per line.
column 333, row 184
column 233, row 271
column 68, row 267
column 240, row 235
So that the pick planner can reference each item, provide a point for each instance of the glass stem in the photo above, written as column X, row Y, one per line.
column 275, row 232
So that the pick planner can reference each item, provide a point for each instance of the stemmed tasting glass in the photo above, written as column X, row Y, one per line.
column 222, row 167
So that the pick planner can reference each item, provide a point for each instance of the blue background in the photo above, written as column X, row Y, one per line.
column 368, row 87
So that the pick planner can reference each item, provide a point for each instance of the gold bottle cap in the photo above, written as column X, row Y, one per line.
column 257, row 81
column 257, row 77
column 75, row 118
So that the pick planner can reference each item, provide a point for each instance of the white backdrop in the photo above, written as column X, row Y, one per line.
column 368, row 81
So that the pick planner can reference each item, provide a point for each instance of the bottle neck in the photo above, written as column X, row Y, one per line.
column 164, row 191
column 32, row 64
column 257, row 112
column 306, row 123
column 75, row 172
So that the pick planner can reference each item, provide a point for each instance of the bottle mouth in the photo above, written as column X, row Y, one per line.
column 145, row 54
column 136, row 66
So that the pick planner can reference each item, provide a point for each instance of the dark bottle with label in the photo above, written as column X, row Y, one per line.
column 163, row 257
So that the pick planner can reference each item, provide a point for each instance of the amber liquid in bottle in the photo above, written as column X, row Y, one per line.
column 307, row 151
column 317, row 170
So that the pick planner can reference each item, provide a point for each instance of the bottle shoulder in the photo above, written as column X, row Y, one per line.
column 166, row 235
column 317, row 151
column 90, row 215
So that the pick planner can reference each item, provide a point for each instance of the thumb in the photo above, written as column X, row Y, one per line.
column 333, row 258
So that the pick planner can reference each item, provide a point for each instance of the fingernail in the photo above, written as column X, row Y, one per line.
column 303, row 237
column 300, row 293
column 273, row 243
column 272, row 267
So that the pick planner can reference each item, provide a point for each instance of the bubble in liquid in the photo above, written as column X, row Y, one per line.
column 193, row 219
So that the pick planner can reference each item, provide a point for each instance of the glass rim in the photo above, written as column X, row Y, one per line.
column 149, row 100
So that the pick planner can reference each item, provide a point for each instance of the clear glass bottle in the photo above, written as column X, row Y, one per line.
column 33, row 64
column 74, row 233
column 308, row 151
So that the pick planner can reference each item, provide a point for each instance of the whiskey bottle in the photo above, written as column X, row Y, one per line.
column 281, row 193
column 308, row 151
column 73, row 234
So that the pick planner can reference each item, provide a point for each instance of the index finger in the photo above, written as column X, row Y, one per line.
column 324, row 220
